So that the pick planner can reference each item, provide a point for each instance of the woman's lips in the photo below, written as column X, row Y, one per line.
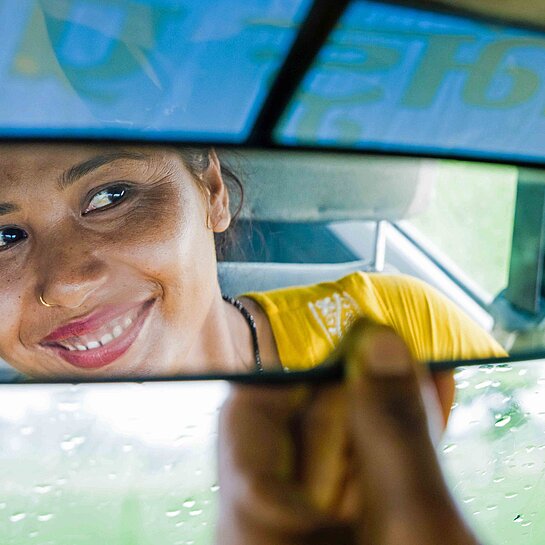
column 70, row 340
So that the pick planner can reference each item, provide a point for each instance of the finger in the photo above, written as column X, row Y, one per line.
column 323, row 449
column 404, row 493
column 260, row 498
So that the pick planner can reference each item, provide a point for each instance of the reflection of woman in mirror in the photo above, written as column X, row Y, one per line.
column 108, row 261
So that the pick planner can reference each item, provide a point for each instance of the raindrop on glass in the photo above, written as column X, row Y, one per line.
column 503, row 422
column 45, row 517
column 16, row 517
column 174, row 513
column 188, row 504
column 42, row 488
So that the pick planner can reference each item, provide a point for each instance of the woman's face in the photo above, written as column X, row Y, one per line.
column 115, row 243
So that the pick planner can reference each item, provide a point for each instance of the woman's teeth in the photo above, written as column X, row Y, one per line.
column 101, row 337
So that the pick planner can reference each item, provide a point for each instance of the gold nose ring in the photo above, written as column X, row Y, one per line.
column 44, row 302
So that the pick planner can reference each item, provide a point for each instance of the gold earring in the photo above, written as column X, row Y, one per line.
column 44, row 302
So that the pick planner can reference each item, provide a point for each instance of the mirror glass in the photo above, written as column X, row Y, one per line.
column 136, row 463
column 115, row 259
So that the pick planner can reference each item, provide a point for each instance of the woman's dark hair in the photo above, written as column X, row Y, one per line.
column 197, row 161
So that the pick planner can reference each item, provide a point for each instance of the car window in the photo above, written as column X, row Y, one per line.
column 144, row 74
column 136, row 463
column 493, row 451
column 468, row 226
column 112, row 463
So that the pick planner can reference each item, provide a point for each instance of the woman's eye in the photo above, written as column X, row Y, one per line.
column 107, row 197
column 10, row 236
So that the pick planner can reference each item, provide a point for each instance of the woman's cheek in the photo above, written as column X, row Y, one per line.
column 16, row 307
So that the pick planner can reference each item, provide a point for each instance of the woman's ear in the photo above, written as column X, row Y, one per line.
column 218, row 195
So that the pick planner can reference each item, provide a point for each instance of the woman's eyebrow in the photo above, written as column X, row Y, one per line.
column 7, row 208
column 75, row 172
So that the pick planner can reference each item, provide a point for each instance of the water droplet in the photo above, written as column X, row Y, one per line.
column 188, row 504
column 33, row 534
column 527, row 523
column 462, row 385
column 45, row 517
column 522, row 372
column 214, row 488
column 16, row 517
column 195, row 513
column 529, row 464
column 469, row 499
column 518, row 518
column 528, row 487
column 503, row 421
column 491, row 507
column 510, row 495
column 530, row 448
column 71, row 443
column 483, row 384
column 449, row 448
column 172, row 514
column 42, row 488
column 127, row 448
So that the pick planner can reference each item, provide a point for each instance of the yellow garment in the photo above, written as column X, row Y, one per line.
column 308, row 322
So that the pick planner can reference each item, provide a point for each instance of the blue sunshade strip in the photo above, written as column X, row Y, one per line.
column 397, row 79
column 151, row 69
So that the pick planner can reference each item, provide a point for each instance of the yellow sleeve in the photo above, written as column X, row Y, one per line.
column 432, row 325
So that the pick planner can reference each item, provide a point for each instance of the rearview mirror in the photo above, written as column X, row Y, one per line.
column 115, row 258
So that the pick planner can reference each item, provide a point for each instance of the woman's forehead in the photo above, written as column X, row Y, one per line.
column 19, row 162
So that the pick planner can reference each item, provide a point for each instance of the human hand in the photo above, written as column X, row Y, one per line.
column 350, row 464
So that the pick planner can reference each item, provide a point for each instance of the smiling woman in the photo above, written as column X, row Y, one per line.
column 109, row 261
column 110, row 264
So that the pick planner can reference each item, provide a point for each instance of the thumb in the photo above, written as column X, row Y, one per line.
column 400, row 482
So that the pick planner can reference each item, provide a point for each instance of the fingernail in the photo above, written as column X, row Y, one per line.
column 379, row 351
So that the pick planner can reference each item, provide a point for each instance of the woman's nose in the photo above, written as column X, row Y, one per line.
column 68, row 279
